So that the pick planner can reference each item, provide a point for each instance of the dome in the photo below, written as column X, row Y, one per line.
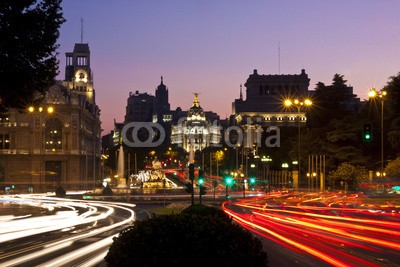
column 196, row 109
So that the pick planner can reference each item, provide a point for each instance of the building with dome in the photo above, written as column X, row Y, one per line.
column 195, row 132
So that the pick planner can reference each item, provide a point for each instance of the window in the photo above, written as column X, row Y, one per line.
column 4, row 120
column 4, row 141
column 53, row 135
column 81, row 61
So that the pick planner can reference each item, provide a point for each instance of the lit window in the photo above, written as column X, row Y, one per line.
column 4, row 141
column 53, row 134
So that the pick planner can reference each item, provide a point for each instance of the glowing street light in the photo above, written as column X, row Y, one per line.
column 373, row 94
column 298, row 104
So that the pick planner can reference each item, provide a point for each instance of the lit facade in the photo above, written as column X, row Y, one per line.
column 194, row 132
column 264, row 103
column 58, row 141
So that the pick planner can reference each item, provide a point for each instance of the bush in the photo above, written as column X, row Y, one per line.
column 60, row 191
column 206, row 211
column 107, row 191
column 186, row 239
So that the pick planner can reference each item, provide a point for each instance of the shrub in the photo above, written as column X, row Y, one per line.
column 60, row 191
column 107, row 191
column 186, row 239
column 206, row 211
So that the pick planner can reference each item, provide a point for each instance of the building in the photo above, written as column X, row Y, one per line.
column 161, row 105
column 59, row 140
column 195, row 132
column 264, row 103
column 140, row 107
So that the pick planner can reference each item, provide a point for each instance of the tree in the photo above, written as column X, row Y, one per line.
column 392, row 101
column 202, row 236
column 345, row 140
column 349, row 175
column 393, row 168
column 331, row 102
column 29, row 30
column 338, row 81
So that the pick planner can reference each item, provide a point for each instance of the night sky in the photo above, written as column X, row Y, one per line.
column 211, row 47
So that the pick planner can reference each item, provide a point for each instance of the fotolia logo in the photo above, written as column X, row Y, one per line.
column 154, row 132
column 150, row 134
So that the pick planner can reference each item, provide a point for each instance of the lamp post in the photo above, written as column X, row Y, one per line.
column 40, row 111
column 266, row 160
column 285, row 166
column 381, row 95
column 298, row 104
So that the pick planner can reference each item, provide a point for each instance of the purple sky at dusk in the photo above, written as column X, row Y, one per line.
column 211, row 47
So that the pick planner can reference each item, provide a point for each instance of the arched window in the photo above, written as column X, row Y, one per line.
column 53, row 135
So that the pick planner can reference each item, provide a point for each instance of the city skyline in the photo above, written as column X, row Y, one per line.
column 211, row 47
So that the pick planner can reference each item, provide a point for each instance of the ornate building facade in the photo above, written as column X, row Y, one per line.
column 57, row 142
column 195, row 132
column 264, row 103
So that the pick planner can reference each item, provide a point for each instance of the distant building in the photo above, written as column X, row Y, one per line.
column 195, row 132
column 161, row 105
column 140, row 107
column 58, row 141
column 263, row 106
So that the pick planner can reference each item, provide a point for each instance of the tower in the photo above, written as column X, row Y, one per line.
column 78, row 74
column 161, row 102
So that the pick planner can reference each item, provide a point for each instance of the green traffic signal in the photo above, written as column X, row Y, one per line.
column 252, row 180
column 367, row 133
column 228, row 181
column 200, row 181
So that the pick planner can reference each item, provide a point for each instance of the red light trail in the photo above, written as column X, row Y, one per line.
column 337, row 229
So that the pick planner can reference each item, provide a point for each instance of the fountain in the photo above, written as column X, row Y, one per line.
column 120, row 167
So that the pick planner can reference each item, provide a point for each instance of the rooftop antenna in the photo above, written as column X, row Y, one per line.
column 279, row 58
column 81, row 30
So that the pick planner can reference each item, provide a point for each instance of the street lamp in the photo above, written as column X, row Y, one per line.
column 380, row 95
column 298, row 104
column 267, row 160
column 40, row 112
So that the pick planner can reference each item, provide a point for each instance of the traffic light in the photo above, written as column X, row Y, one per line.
column 203, row 190
column 189, row 187
column 201, row 177
column 367, row 133
column 191, row 171
column 228, row 181
column 252, row 182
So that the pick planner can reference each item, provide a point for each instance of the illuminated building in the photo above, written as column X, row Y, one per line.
column 58, row 140
column 195, row 132
column 263, row 105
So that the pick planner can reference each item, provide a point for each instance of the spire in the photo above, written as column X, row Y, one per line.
column 161, row 80
column 241, row 93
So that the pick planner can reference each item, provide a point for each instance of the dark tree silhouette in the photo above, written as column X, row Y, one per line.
column 29, row 30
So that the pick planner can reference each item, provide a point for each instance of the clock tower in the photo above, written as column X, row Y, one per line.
column 78, row 75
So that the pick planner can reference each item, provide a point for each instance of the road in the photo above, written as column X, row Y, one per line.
column 60, row 232
column 322, row 229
